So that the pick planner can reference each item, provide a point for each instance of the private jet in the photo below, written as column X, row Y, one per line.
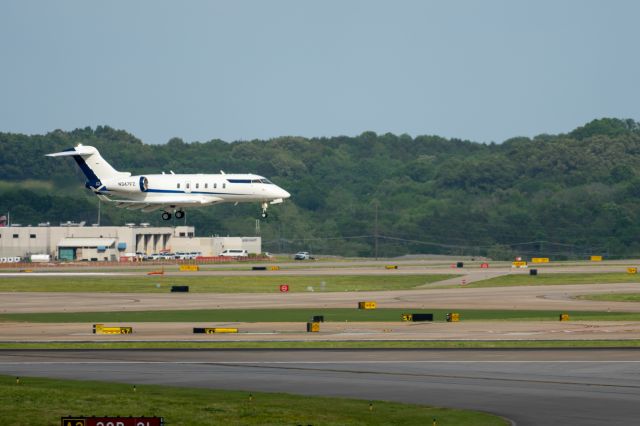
column 170, row 192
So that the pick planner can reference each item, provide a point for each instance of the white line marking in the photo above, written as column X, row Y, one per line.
column 312, row 362
column 62, row 274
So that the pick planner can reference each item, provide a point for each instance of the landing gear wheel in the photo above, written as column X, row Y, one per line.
column 179, row 214
column 264, row 209
column 264, row 215
column 166, row 216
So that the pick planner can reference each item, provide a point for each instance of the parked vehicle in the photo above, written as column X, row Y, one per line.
column 302, row 255
column 40, row 258
column 234, row 253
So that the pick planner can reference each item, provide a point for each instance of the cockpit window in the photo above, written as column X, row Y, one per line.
column 261, row 180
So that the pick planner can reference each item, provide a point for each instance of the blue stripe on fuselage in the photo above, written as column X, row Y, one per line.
column 173, row 191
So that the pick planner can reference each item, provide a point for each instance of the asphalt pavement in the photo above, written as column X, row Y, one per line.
column 529, row 387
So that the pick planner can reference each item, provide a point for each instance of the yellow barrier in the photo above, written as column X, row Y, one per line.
column 101, row 329
column 214, row 330
column 407, row 317
column 632, row 270
column 313, row 327
column 564, row 317
column 220, row 330
column 539, row 260
column 518, row 264
column 453, row 317
column 189, row 268
column 596, row 258
column 366, row 305
column 391, row 267
column 274, row 268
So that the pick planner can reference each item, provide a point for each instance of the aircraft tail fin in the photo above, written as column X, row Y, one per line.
column 94, row 167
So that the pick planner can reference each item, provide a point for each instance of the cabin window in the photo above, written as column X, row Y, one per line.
column 178, row 186
column 197, row 186
column 206, row 185
column 224, row 185
column 187, row 185
column 15, row 235
column 32, row 235
column 215, row 185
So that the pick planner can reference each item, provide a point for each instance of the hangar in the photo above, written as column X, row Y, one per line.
column 75, row 241
column 87, row 248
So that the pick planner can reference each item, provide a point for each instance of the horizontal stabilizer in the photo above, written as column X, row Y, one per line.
column 94, row 167
column 62, row 154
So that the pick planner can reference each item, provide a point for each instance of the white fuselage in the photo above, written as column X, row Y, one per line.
column 193, row 189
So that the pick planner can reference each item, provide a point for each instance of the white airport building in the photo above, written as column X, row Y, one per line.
column 74, row 241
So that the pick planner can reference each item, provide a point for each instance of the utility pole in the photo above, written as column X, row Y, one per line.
column 376, row 204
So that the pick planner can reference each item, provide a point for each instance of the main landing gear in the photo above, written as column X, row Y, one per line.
column 179, row 215
column 264, row 210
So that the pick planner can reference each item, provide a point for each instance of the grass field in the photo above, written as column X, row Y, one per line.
column 618, row 297
column 37, row 401
column 369, row 344
column 216, row 284
column 556, row 279
column 303, row 315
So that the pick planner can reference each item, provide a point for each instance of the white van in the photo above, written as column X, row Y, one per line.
column 234, row 253
column 40, row 258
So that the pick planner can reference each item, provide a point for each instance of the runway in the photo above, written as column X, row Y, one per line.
column 530, row 387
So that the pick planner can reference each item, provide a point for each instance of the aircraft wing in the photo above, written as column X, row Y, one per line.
column 151, row 205
column 135, row 205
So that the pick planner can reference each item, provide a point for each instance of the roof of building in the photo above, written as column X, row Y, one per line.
column 86, row 242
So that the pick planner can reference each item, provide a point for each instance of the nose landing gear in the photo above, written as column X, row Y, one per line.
column 264, row 209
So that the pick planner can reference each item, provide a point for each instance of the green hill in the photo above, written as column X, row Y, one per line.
column 566, row 195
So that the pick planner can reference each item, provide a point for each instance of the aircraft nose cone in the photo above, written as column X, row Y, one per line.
column 285, row 194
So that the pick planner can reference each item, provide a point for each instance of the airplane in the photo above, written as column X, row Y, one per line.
column 170, row 192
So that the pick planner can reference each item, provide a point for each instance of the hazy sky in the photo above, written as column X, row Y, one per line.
column 199, row 70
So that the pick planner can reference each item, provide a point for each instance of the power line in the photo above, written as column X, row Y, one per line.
column 553, row 248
